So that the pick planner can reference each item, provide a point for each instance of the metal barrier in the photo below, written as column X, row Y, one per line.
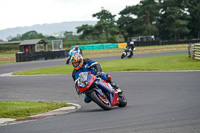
column 43, row 55
column 194, row 51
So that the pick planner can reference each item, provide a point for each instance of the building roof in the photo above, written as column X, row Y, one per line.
column 13, row 42
column 25, row 42
column 31, row 42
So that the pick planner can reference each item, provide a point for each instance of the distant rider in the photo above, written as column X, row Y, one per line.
column 86, row 65
column 72, row 52
column 130, row 45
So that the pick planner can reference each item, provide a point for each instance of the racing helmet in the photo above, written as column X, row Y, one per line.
column 76, row 47
column 77, row 61
column 131, row 42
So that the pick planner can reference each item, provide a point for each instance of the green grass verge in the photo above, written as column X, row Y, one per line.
column 170, row 62
column 7, row 57
column 23, row 109
column 7, row 62
column 158, row 63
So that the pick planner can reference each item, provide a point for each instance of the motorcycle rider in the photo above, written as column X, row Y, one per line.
column 88, row 65
column 131, row 45
column 72, row 52
column 128, row 51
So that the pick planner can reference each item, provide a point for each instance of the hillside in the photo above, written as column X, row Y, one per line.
column 45, row 29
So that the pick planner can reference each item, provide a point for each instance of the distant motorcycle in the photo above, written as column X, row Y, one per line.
column 100, row 91
column 128, row 52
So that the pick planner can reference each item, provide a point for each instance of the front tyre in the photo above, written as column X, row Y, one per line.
column 122, row 56
column 103, row 102
column 122, row 100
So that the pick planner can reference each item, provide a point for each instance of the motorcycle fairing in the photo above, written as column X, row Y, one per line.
column 102, row 85
column 99, row 91
column 112, row 94
column 84, row 86
column 115, row 99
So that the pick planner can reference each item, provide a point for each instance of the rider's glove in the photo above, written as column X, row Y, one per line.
column 99, row 74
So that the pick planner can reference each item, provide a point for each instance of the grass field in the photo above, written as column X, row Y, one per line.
column 23, row 109
column 7, row 57
column 170, row 62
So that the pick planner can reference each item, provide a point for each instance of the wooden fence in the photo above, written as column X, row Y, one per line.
column 194, row 51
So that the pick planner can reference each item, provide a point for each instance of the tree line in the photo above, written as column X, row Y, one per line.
column 165, row 19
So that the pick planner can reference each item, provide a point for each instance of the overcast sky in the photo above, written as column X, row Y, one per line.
column 14, row 13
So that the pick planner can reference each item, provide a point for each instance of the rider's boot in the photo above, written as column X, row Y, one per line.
column 113, row 84
column 87, row 99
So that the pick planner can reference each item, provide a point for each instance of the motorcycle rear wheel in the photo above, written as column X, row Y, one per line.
column 103, row 102
column 131, row 54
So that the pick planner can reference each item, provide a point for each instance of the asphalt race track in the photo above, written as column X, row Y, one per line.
column 158, row 101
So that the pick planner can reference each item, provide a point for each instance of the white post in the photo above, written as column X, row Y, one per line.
column 52, row 46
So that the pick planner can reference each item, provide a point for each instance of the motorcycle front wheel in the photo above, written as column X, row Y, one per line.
column 122, row 56
column 103, row 102
column 122, row 100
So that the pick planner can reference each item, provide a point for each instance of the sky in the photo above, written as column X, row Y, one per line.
column 19, row 13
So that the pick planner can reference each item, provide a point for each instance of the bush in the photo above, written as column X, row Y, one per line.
column 8, row 47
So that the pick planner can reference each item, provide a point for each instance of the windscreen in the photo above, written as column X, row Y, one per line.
column 82, row 79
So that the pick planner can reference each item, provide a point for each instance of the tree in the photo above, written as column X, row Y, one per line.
column 68, row 34
column 127, row 22
column 98, row 31
column 107, row 24
column 88, row 30
column 109, row 28
column 85, row 29
column 32, row 35
column 173, row 19
column 51, row 38
column 139, row 20
column 147, row 16
column 29, row 35
column 193, row 8
column 104, row 15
